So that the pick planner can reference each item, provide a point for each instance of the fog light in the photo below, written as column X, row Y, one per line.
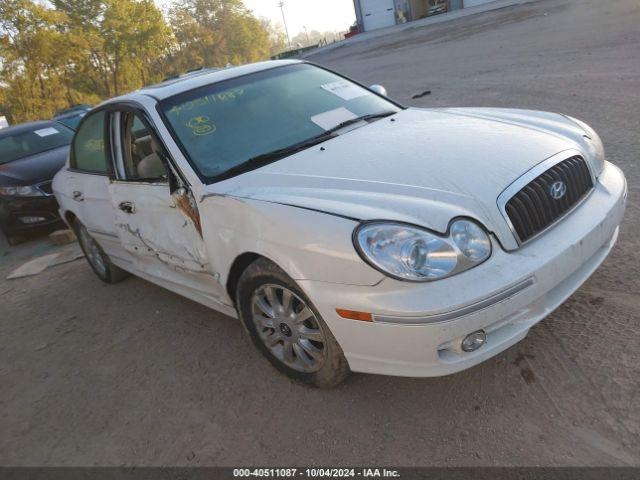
column 32, row 219
column 474, row 341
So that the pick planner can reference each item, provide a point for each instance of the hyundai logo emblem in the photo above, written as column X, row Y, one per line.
column 558, row 190
column 285, row 329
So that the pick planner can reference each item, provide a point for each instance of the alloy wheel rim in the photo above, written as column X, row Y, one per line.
column 92, row 251
column 288, row 328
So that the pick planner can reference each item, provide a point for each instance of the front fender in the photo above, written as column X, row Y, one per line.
column 306, row 244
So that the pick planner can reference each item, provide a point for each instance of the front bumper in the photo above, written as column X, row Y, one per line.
column 14, row 209
column 418, row 328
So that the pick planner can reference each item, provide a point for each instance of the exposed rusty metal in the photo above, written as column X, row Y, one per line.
column 184, row 201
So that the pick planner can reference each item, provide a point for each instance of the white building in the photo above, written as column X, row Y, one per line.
column 375, row 14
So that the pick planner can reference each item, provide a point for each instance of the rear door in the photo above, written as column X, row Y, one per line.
column 378, row 14
column 86, row 185
column 156, row 220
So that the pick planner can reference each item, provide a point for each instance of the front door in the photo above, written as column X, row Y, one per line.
column 159, row 228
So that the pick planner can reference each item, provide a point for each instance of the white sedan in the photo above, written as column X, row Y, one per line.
column 345, row 231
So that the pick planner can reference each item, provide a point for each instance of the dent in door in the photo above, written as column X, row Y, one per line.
column 168, row 229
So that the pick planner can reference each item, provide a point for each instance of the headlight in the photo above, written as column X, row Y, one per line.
column 409, row 253
column 22, row 191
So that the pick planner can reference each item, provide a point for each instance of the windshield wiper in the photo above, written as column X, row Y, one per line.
column 267, row 158
column 362, row 118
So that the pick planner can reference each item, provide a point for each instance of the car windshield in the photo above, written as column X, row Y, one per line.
column 224, row 125
column 31, row 142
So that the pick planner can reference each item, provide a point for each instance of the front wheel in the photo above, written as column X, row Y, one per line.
column 286, row 327
column 97, row 258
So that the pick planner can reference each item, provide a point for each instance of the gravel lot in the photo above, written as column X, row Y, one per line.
column 132, row 374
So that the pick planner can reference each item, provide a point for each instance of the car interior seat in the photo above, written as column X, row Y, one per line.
column 151, row 166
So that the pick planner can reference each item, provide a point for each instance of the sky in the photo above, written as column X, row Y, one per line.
column 321, row 15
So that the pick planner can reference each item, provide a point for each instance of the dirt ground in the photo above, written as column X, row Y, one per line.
column 132, row 374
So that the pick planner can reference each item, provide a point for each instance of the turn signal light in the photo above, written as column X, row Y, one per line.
column 353, row 315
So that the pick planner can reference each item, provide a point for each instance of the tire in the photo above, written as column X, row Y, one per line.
column 96, row 257
column 286, row 327
column 13, row 240
column 7, row 240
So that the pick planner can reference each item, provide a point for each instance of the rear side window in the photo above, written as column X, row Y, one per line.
column 89, row 147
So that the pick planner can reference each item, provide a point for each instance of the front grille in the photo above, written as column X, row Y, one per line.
column 46, row 188
column 544, row 200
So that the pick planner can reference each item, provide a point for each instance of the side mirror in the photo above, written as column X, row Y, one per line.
column 379, row 89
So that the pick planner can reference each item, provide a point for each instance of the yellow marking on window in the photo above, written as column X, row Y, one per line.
column 201, row 125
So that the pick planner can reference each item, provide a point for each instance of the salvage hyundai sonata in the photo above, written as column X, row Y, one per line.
column 345, row 231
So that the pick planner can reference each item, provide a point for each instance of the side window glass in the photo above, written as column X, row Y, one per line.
column 89, row 151
column 142, row 154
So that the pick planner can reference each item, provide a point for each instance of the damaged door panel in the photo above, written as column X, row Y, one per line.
column 155, row 225
column 161, row 237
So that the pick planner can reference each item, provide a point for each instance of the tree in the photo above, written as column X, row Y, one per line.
column 34, row 60
column 277, row 36
column 82, row 51
column 216, row 33
column 134, row 33
column 121, row 41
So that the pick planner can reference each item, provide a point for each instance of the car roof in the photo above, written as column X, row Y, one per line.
column 74, row 113
column 26, row 127
column 81, row 107
column 199, row 78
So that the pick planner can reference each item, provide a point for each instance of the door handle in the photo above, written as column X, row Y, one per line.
column 77, row 196
column 127, row 207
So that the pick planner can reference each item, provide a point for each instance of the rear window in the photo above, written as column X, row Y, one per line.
column 32, row 142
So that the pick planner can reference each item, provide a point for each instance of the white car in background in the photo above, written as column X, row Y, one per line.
column 347, row 233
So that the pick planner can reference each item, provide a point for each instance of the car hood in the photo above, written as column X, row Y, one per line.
column 421, row 166
column 33, row 169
